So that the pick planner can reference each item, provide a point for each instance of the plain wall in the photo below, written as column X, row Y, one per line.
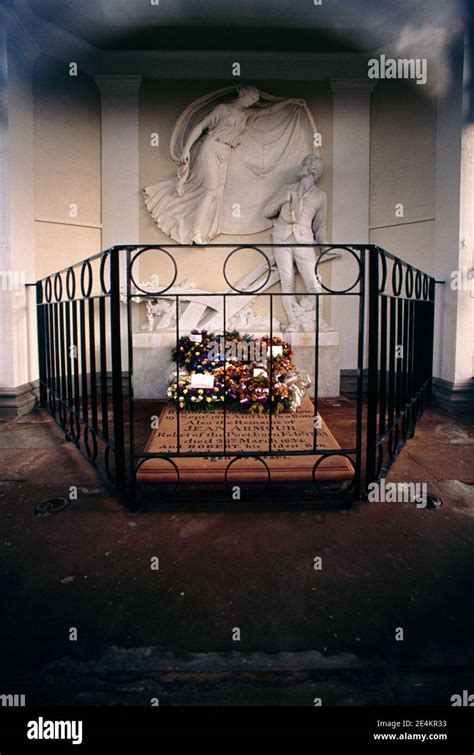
column 67, row 167
column 403, row 171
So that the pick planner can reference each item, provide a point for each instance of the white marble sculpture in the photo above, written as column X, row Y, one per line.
column 247, row 321
column 232, row 153
column 155, row 310
column 199, row 309
column 299, row 212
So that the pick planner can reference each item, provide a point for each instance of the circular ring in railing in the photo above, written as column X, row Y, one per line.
column 150, row 249
column 86, row 292
column 171, row 462
column 103, row 260
column 418, row 284
column 48, row 289
column 74, row 426
column 331, row 492
column 320, row 259
column 409, row 282
column 91, row 456
column 58, row 287
column 39, row 292
column 426, row 287
column 381, row 256
column 239, row 458
column 249, row 290
column 70, row 283
column 397, row 277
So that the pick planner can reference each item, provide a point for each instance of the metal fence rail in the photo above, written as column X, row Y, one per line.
column 86, row 360
column 401, row 333
column 80, row 361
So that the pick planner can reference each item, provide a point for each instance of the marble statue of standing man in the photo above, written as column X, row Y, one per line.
column 299, row 212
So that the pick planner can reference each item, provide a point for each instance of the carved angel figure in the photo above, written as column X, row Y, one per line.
column 232, row 153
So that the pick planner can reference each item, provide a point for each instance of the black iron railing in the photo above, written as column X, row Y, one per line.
column 86, row 361
column 400, row 351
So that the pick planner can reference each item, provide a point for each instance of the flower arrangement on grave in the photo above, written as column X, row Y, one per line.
column 244, row 373
column 279, row 347
column 192, row 352
column 194, row 398
column 248, row 387
column 202, row 351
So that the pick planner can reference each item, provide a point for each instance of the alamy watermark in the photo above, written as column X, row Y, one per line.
column 12, row 701
column 239, row 351
column 462, row 280
column 464, row 700
column 398, row 68
column 45, row 729
column 398, row 492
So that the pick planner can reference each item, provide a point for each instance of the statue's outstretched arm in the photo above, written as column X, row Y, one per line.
column 276, row 107
column 273, row 206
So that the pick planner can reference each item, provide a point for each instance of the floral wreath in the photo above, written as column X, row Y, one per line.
column 240, row 386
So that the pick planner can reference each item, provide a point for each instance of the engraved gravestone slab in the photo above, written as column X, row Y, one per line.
column 204, row 433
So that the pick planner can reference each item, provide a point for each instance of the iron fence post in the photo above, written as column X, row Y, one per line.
column 40, row 324
column 373, row 354
column 132, row 504
column 117, row 389
column 360, row 370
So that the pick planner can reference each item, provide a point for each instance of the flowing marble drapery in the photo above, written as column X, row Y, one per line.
column 241, row 158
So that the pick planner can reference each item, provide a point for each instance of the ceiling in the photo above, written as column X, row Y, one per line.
column 244, row 24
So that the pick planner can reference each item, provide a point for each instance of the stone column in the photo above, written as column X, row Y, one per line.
column 6, row 365
column 350, row 200
column 120, row 177
column 18, row 368
column 454, row 244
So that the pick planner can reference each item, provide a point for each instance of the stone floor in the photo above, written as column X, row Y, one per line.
column 170, row 633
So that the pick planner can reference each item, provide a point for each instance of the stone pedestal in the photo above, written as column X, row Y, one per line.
column 329, row 371
column 152, row 365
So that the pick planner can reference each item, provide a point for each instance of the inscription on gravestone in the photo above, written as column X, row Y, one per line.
column 203, row 433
